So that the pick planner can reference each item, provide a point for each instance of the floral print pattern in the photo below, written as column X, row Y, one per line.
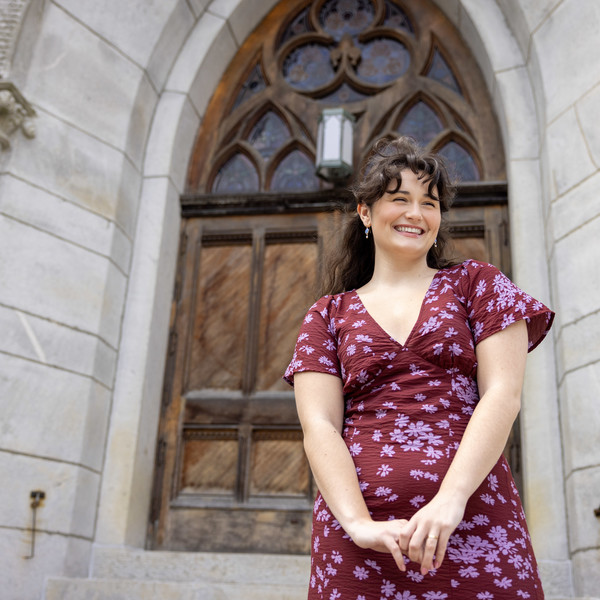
column 406, row 409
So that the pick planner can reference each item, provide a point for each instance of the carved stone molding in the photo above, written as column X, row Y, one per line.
column 15, row 113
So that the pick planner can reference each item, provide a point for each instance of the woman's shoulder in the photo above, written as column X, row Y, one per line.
column 470, row 269
column 334, row 304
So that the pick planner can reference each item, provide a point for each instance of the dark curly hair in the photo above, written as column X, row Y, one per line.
column 352, row 265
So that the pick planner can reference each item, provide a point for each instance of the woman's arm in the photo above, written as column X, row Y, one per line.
column 320, row 404
column 500, row 371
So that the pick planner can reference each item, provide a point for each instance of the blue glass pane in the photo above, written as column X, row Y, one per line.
column 253, row 84
column 269, row 134
column 298, row 26
column 383, row 60
column 440, row 71
column 396, row 18
column 308, row 67
column 237, row 175
column 344, row 94
column 421, row 123
column 295, row 173
column 339, row 17
column 460, row 162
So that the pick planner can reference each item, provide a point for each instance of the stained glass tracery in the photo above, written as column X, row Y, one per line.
column 461, row 161
column 421, row 123
column 237, row 175
column 269, row 134
column 340, row 17
column 295, row 173
column 254, row 84
column 383, row 60
column 308, row 67
column 396, row 18
column 441, row 71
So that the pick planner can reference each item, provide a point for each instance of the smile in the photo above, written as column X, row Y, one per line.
column 408, row 229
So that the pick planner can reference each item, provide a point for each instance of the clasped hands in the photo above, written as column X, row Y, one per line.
column 423, row 538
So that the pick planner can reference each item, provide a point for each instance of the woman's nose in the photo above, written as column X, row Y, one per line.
column 414, row 210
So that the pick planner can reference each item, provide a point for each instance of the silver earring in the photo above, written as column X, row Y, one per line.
column 435, row 243
column 367, row 233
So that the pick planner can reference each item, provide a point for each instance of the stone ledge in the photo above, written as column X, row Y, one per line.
column 115, row 589
column 218, row 568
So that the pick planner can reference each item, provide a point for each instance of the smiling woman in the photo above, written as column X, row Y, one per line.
column 407, row 379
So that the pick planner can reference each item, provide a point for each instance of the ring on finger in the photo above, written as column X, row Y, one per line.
column 432, row 537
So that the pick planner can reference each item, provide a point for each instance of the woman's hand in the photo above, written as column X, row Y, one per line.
column 425, row 537
column 382, row 536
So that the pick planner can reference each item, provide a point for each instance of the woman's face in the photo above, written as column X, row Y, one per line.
column 405, row 221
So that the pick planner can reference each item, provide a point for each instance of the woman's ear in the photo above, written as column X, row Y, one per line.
column 364, row 212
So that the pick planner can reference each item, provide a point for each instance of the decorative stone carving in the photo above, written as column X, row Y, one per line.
column 15, row 113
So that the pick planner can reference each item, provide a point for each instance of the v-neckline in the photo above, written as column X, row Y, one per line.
column 416, row 323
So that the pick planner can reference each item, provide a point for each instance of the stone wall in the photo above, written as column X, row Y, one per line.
column 89, row 233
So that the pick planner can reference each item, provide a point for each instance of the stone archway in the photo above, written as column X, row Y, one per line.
column 193, row 76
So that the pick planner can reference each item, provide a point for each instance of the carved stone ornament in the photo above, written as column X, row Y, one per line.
column 15, row 113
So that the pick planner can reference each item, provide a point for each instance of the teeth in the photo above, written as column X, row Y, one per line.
column 408, row 229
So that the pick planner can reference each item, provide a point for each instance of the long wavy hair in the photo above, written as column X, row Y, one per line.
column 351, row 265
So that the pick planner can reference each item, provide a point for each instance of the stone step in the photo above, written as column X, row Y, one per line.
column 123, row 589
column 193, row 567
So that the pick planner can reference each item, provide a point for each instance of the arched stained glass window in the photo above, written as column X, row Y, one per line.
column 237, row 175
column 421, row 123
column 296, row 172
column 461, row 161
column 381, row 60
column 269, row 134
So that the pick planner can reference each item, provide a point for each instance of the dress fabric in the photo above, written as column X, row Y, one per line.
column 406, row 409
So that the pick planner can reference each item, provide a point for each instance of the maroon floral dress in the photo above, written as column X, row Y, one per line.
column 407, row 407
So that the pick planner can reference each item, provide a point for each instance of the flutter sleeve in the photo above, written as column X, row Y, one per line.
column 316, row 347
column 494, row 302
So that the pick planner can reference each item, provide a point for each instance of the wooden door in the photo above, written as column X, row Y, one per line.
column 231, row 474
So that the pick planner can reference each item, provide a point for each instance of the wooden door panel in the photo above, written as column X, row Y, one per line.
column 290, row 272
column 219, row 330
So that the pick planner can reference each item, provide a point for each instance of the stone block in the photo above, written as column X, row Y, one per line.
column 107, row 589
column 78, row 168
column 133, row 26
column 582, row 498
column 55, row 345
column 501, row 49
column 575, row 208
column 212, row 567
column 579, row 344
column 515, row 106
column 169, row 147
column 580, row 418
column 569, row 158
column 173, row 36
column 587, row 111
column 138, row 383
column 243, row 15
column 55, row 555
column 586, row 573
column 48, row 412
column 577, row 283
column 79, row 77
column 513, row 13
column 142, row 114
column 73, row 286
column 566, row 68
column 556, row 578
column 71, row 495
column 64, row 219
column 203, row 59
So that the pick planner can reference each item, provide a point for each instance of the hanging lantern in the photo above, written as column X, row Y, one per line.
column 334, row 144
